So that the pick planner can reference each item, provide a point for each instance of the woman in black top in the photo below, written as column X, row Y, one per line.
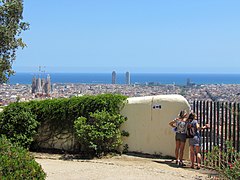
column 195, row 141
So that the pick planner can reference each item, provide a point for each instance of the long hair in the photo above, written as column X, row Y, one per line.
column 191, row 116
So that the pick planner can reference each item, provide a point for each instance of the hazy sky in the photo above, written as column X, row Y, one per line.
column 154, row 36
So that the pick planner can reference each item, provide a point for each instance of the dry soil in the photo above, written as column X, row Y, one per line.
column 117, row 167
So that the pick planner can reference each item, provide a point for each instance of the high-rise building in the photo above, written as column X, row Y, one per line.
column 127, row 78
column 114, row 76
column 34, row 84
column 48, row 85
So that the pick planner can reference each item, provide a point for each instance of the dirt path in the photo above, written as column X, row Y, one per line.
column 117, row 167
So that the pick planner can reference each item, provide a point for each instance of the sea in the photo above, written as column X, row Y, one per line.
column 135, row 78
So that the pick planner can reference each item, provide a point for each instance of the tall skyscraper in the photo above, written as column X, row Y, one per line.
column 114, row 76
column 127, row 78
column 48, row 85
column 34, row 84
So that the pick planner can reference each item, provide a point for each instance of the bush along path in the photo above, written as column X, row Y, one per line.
column 17, row 163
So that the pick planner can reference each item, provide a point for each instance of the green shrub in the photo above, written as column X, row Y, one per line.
column 99, row 134
column 18, row 123
column 226, row 162
column 59, row 114
column 17, row 163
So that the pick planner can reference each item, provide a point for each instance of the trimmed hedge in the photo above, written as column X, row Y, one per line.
column 61, row 113
column 20, row 121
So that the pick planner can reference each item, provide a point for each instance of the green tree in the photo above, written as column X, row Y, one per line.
column 11, row 26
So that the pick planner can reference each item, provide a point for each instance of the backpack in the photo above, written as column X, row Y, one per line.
column 191, row 130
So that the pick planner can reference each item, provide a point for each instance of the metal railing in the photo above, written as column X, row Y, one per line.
column 224, row 121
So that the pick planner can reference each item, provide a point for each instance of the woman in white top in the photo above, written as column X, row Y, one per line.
column 181, row 125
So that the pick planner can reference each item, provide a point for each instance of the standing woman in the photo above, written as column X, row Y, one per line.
column 181, row 125
column 195, row 142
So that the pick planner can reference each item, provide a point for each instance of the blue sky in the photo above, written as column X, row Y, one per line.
column 150, row 36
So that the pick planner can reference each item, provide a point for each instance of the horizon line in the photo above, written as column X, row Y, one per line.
column 125, row 72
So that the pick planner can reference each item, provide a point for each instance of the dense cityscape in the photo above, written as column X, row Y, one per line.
column 43, row 89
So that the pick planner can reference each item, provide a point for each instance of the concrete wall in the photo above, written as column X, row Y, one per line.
column 147, row 123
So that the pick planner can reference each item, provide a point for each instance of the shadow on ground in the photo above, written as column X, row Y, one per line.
column 203, row 170
column 170, row 161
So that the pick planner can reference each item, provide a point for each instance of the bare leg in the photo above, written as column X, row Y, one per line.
column 182, row 145
column 192, row 155
column 177, row 149
column 199, row 157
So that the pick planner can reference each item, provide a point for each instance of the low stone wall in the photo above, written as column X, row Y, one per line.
column 59, row 140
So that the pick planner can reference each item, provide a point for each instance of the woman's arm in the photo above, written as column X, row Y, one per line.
column 203, row 127
column 173, row 123
column 206, row 126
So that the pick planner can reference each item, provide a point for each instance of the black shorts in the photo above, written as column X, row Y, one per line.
column 181, row 137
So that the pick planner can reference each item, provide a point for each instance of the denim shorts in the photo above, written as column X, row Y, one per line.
column 195, row 141
column 181, row 137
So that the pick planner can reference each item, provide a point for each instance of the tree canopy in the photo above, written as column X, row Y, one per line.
column 11, row 26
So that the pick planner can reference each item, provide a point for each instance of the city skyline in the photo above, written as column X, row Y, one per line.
column 136, row 36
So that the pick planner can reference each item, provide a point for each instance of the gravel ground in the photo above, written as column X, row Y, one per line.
column 118, row 167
